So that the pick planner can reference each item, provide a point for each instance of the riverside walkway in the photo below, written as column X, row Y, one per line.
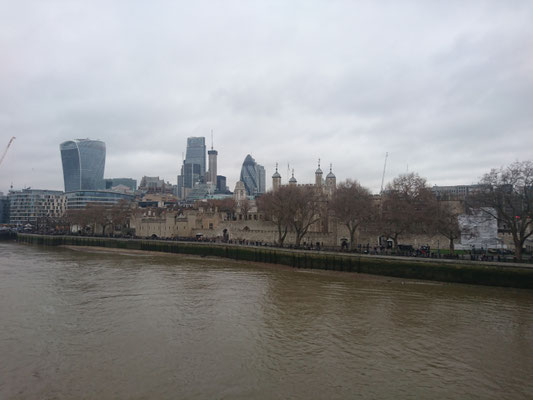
column 318, row 252
column 266, row 253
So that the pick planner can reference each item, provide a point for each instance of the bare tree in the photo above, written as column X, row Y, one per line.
column 80, row 218
column 447, row 222
column 303, row 205
column 273, row 206
column 245, row 207
column 120, row 214
column 352, row 204
column 99, row 215
column 506, row 194
column 406, row 207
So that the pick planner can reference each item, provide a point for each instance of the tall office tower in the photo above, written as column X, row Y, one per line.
column 212, row 174
column 83, row 164
column 179, row 188
column 221, row 184
column 191, row 175
column 253, row 176
column 193, row 168
column 196, row 152
column 261, row 179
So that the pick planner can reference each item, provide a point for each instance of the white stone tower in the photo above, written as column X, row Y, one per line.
column 293, row 181
column 239, row 194
column 276, row 180
column 318, row 176
column 331, row 181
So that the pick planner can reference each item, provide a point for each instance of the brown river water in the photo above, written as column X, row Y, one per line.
column 88, row 324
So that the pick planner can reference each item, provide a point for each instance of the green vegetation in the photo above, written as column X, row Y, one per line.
column 436, row 270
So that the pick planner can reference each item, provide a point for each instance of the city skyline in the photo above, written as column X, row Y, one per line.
column 443, row 88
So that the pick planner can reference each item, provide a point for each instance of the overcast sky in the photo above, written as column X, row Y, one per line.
column 445, row 87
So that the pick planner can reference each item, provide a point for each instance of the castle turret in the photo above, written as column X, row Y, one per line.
column 276, row 180
column 318, row 176
column 331, row 181
column 293, row 181
column 239, row 194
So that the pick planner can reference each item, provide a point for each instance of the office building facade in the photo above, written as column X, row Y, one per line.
column 80, row 199
column 196, row 153
column 83, row 164
column 193, row 170
column 221, row 184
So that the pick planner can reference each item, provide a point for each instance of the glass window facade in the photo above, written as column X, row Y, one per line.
column 28, row 205
column 130, row 183
column 196, row 152
column 191, row 174
column 83, row 164
column 80, row 199
column 253, row 176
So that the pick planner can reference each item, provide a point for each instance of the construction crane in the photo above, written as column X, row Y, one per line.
column 383, row 176
column 7, row 148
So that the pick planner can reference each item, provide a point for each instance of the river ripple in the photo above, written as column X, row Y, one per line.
column 79, row 324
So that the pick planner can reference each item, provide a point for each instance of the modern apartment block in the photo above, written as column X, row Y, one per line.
column 29, row 205
column 83, row 164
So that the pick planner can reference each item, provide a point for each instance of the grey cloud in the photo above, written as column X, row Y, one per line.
column 445, row 87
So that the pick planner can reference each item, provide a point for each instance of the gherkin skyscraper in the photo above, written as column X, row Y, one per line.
column 253, row 176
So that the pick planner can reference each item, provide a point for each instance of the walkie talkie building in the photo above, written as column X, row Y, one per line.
column 83, row 164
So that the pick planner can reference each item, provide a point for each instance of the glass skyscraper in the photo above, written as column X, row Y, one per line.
column 253, row 176
column 193, row 170
column 83, row 164
column 196, row 153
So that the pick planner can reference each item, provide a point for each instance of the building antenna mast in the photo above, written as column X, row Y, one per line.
column 383, row 176
column 211, row 139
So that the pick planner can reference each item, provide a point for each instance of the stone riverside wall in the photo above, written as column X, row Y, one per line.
column 437, row 270
column 7, row 235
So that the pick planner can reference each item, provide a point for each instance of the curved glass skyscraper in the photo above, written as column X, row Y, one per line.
column 253, row 176
column 83, row 164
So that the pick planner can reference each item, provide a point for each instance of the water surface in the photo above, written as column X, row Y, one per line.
column 103, row 325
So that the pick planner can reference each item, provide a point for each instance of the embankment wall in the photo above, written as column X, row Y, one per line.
column 436, row 270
